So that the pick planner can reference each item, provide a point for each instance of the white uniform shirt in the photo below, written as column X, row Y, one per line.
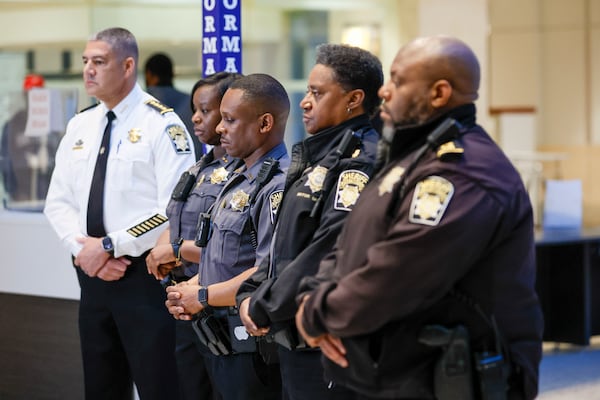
column 145, row 161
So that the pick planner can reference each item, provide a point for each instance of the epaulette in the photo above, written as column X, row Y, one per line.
column 158, row 106
column 451, row 150
column 88, row 108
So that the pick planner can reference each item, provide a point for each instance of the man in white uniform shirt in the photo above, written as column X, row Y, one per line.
column 109, row 216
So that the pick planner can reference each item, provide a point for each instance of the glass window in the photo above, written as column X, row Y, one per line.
column 30, row 138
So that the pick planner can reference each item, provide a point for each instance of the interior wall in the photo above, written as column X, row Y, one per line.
column 546, row 58
column 467, row 20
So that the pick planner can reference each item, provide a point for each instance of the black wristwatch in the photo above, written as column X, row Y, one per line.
column 107, row 245
column 203, row 296
column 176, row 245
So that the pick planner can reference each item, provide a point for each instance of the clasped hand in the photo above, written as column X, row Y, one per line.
column 182, row 300
column 249, row 324
column 331, row 346
column 95, row 262
column 161, row 260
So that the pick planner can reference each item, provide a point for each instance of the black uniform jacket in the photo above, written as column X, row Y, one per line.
column 464, row 224
column 317, row 174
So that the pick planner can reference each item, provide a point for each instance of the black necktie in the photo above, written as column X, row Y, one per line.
column 95, row 211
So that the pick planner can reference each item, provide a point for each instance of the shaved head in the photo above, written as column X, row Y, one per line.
column 429, row 76
column 443, row 57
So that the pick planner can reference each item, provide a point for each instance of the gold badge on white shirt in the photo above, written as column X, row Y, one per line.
column 134, row 135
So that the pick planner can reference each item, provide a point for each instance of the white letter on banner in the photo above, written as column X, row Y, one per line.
column 230, row 67
column 209, row 24
column 209, row 45
column 209, row 5
column 230, row 5
column 230, row 44
column 230, row 23
column 210, row 67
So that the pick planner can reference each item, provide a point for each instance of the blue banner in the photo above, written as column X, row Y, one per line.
column 221, row 36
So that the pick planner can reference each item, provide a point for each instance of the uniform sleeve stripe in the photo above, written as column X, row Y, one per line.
column 145, row 226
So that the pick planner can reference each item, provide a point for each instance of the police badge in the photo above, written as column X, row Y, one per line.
column 274, row 202
column 350, row 184
column 316, row 178
column 134, row 135
column 179, row 139
column 218, row 176
column 430, row 200
column 239, row 200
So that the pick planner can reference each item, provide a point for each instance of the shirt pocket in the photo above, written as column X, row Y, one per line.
column 190, row 213
column 130, row 165
column 236, row 247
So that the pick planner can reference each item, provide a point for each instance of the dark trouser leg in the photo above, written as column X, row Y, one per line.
column 127, row 320
column 302, row 377
column 105, row 367
column 147, row 332
column 194, row 381
column 244, row 377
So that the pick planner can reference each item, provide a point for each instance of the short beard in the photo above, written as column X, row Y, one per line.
column 418, row 112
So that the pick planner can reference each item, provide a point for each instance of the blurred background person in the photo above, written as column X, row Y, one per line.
column 159, row 74
column 27, row 161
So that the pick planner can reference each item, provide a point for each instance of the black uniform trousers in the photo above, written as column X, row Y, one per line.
column 127, row 334
column 244, row 376
column 194, row 381
column 302, row 377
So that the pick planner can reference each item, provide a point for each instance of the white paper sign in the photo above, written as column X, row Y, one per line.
column 44, row 112
column 563, row 204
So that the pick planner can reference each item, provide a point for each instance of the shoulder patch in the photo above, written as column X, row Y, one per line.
column 179, row 139
column 274, row 202
column 158, row 106
column 430, row 200
column 350, row 184
column 450, row 150
column 87, row 108
column 146, row 226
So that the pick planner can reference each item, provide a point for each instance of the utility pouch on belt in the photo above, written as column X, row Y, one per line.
column 461, row 374
column 492, row 373
column 453, row 377
column 212, row 334
column 223, row 332
column 241, row 341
